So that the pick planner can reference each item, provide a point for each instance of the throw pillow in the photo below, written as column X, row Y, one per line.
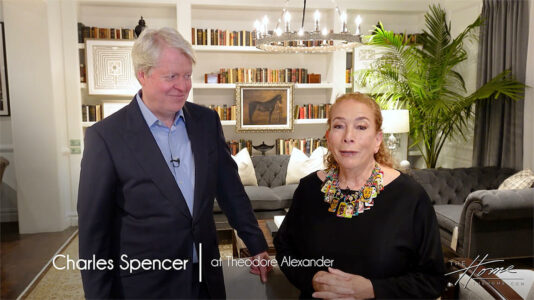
column 520, row 180
column 245, row 168
column 301, row 165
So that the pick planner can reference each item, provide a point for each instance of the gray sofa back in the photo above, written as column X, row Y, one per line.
column 451, row 186
column 271, row 170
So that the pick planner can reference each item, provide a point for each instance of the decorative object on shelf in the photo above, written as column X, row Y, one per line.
column 110, row 68
column 318, row 40
column 110, row 107
column 424, row 79
column 394, row 122
column 140, row 27
column 4, row 89
column 263, row 147
column 264, row 107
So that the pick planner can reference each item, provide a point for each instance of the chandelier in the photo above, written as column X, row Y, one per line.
column 301, row 41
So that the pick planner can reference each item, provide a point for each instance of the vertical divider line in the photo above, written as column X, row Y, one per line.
column 199, row 262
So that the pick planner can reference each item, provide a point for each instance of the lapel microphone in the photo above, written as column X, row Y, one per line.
column 175, row 162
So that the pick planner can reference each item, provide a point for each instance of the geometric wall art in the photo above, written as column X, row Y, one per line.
column 109, row 68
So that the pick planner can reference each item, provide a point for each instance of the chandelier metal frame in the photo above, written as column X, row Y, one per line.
column 295, row 42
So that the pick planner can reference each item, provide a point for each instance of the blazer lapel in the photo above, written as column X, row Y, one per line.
column 141, row 141
column 193, row 123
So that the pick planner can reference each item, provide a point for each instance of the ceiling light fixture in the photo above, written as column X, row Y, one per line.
column 301, row 41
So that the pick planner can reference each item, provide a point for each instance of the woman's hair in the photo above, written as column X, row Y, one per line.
column 149, row 45
column 383, row 156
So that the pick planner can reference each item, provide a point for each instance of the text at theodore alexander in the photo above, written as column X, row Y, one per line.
column 286, row 262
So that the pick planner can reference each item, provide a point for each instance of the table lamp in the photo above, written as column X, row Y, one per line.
column 395, row 122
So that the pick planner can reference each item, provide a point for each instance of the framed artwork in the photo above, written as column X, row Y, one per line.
column 110, row 68
column 263, row 107
column 4, row 89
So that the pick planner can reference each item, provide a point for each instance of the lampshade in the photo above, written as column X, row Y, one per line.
column 395, row 121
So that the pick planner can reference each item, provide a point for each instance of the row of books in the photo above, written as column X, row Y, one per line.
column 409, row 38
column 218, row 37
column 91, row 113
column 225, row 112
column 285, row 146
column 251, row 75
column 87, row 32
column 348, row 75
column 312, row 111
column 236, row 146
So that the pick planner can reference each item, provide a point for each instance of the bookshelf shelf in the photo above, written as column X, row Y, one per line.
column 309, row 121
column 325, row 85
column 214, row 85
column 81, row 45
column 87, row 124
column 233, row 85
column 83, row 85
column 296, row 121
column 204, row 48
column 228, row 122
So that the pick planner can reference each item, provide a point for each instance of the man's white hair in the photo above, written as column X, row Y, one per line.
column 149, row 45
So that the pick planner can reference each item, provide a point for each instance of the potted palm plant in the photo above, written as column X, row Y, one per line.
column 422, row 78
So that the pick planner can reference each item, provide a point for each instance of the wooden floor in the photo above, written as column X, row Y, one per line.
column 24, row 255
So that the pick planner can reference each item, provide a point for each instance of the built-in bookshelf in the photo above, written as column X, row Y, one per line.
column 234, row 18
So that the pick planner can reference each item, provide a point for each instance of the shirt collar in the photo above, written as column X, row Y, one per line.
column 150, row 118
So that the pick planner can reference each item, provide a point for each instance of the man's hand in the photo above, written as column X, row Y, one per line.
column 336, row 284
column 261, row 265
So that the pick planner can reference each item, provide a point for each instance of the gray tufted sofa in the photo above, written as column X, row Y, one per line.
column 272, row 195
column 488, row 221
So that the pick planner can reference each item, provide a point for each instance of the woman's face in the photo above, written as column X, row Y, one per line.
column 353, row 138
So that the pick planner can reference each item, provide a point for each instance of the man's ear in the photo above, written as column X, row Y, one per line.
column 142, row 77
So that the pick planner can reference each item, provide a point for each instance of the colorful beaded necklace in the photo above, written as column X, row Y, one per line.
column 347, row 205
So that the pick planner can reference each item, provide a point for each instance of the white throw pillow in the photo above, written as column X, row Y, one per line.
column 245, row 167
column 520, row 180
column 301, row 165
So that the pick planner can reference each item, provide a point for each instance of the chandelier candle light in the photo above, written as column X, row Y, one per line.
column 306, row 41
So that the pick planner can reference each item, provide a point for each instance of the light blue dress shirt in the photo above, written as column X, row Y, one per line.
column 174, row 144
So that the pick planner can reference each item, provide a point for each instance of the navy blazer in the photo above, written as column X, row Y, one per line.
column 129, row 203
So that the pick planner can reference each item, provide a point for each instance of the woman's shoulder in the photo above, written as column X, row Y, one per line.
column 312, row 179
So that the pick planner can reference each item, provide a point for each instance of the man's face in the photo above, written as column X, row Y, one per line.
column 166, row 86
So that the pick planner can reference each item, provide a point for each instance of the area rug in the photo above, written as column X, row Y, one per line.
column 52, row 283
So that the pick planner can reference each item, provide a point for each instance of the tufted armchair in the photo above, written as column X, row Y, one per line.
column 476, row 219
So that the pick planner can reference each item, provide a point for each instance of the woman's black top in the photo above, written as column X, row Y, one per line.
column 395, row 244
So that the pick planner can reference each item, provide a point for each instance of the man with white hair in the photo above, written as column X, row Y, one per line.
column 149, row 175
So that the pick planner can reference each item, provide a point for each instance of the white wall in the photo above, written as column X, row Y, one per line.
column 38, row 114
column 528, row 131
column 458, row 153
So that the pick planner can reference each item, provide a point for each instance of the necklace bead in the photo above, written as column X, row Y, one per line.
column 351, row 203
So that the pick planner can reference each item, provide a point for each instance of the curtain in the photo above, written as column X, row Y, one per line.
column 498, row 139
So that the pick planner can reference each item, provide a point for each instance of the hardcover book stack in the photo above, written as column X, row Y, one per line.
column 262, row 75
column 91, row 113
column 87, row 32
column 312, row 111
column 236, row 146
column 225, row 112
column 285, row 146
column 218, row 37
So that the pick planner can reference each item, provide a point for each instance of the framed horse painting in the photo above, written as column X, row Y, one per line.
column 264, row 107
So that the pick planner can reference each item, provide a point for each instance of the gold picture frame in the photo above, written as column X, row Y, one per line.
column 264, row 107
